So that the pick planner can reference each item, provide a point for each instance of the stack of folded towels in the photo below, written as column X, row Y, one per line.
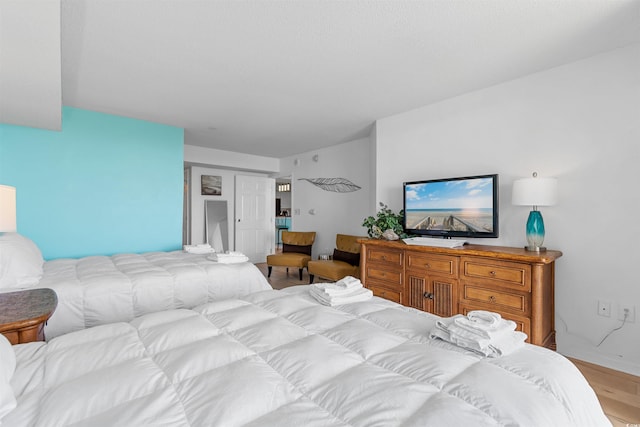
column 344, row 291
column 480, row 331
column 229, row 257
column 203, row 248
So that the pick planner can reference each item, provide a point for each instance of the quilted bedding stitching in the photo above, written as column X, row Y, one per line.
column 165, row 343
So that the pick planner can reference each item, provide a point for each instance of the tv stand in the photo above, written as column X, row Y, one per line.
column 514, row 282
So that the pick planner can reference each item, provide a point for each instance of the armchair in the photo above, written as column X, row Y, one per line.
column 345, row 260
column 296, row 251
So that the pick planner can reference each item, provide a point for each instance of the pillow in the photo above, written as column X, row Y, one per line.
column 20, row 261
column 7, row 367
column 348, row 257
column 297, row 249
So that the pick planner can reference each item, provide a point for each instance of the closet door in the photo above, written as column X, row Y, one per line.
column 255, row 218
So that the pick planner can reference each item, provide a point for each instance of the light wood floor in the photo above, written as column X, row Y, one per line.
column 281, row 279
column 618, row 392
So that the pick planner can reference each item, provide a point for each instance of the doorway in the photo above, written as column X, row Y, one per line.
column 255, row 218
column 283, row 207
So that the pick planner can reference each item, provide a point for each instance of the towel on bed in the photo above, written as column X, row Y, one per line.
column 229, row 257
column 342, row 287
column 203, row 248
column 356, row 296
column 483, row 324
column 504, row 338
column 338, row 293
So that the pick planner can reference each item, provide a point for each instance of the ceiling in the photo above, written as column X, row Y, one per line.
column 277, row 78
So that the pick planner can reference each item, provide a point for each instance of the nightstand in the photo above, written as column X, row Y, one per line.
column 23, row 314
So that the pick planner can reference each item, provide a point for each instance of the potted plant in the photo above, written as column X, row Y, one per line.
column 385, row 220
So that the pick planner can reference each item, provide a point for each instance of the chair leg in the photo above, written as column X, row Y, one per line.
column 287, row 271
column 311, row 277
column 270, row 268
column 300, row 271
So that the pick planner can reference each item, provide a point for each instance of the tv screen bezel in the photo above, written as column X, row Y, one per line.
column 452, row 233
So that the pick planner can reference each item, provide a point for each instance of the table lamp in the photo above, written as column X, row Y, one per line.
column 7, row 208
column 535, row 192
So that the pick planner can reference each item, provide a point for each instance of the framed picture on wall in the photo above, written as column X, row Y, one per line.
column 211, row 185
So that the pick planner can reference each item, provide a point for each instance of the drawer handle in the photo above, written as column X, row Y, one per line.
column 493, row 273
column 428, row 295
column 384, row 258
column 492, row 299
column 427, row 266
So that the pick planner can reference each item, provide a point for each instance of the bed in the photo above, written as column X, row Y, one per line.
column 279, row 358
column 97, row 290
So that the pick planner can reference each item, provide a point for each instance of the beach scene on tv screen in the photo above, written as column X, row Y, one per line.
column 458, row 205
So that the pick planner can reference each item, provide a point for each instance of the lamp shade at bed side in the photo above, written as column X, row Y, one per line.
column 535, row 192
column 7, row 209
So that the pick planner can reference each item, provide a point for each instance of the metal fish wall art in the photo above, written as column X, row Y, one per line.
column 337, row 185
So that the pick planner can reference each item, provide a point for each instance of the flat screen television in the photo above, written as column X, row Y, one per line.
column 452, row 207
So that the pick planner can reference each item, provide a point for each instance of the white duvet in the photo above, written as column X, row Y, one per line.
column 100, row 289
column 278, row 358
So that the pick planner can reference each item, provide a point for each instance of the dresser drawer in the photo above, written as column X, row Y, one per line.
column 383, row 292
column 502, row 273
column 441, row 264
column 390, row 258
column 494, row 300
column 390, row 278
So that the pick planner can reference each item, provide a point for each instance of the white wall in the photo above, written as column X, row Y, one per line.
column 211, row 157
column 334, row 212
column 197, row 200
column 579, row 123
column 30, row 82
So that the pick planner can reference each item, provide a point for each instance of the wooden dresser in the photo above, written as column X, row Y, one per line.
column 511, row 281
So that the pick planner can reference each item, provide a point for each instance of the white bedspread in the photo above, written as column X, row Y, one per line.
column 99, row 289
column 279, row 358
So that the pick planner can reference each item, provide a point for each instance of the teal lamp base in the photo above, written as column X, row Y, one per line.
column 535, row 232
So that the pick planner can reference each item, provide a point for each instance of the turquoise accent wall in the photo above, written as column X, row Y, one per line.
column 103, row 185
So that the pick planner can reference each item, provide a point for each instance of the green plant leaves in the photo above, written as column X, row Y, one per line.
column 384, row 220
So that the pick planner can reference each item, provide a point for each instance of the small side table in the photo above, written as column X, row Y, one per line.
column 23, row 314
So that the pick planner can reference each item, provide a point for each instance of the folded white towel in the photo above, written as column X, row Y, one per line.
column 484, row 318
column 478, row 340
column 198, row 249
column 501, row 343
column 357, row 295
column 229, row 258
column 483, row 330
column 233, row 253
column 349, row 282
column 441, row 329
column 332, row 289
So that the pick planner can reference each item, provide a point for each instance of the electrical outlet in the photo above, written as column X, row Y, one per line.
column 604, row 308
column 631, row 317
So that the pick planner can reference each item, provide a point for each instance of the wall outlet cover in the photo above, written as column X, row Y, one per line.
column 604, row 308
column 631, row 317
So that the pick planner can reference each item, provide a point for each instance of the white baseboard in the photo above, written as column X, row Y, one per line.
column 576, row 347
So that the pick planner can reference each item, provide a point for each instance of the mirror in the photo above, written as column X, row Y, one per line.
column 216, row 224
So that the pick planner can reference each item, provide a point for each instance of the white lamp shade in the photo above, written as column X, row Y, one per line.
column 7, row 208
column 535, row 192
